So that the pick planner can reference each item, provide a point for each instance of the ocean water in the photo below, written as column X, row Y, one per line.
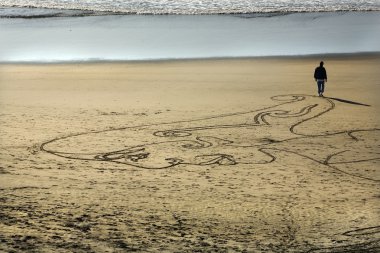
column 182, row 6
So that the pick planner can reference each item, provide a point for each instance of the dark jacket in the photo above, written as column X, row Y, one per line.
column 320, row 73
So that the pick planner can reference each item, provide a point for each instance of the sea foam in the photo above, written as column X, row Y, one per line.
column 194, row 6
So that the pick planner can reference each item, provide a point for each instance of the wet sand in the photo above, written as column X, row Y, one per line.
column 219, row 155
column 157, row 37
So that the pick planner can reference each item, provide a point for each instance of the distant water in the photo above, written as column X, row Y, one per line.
column 91, row 7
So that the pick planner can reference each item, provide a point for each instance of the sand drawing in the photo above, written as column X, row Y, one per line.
column 371, row 241
column 250, row 137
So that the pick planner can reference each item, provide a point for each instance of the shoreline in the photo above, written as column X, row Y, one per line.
column 78, row 12
column 354, row 55
column 116, row 14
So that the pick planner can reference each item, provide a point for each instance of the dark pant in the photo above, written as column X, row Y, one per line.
column 321, row 86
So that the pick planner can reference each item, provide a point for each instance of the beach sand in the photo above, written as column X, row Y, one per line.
column 219, row 155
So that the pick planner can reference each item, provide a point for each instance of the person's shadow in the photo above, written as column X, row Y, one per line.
column 347, row 101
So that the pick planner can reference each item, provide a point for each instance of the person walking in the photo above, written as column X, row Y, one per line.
column 320, row 77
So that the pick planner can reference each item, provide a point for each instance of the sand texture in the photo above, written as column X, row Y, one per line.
column 229, row 155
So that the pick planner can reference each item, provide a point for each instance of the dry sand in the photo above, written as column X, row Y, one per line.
column 221, row 155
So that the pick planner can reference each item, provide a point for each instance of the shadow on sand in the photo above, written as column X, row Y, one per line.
column 347, row 101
